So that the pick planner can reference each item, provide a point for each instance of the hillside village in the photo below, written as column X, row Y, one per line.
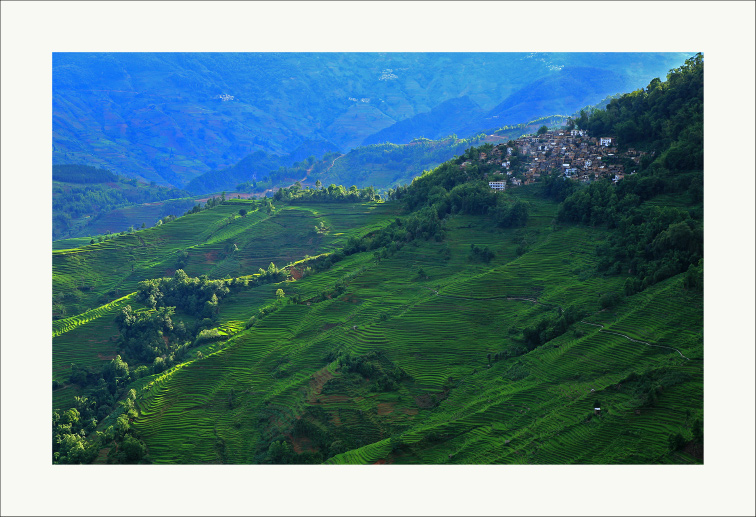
column 577, row 155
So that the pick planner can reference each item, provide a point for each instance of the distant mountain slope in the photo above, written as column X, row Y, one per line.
column 170, row 117
column 379, row 165
column 256, row 165
column 562, row 92
column 443, row 120
column 82, row 194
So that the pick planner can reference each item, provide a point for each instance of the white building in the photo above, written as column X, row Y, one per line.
column 606, row 141
column 497, row 185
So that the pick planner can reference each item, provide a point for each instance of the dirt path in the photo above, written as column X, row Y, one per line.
column 334, row 161
column 307, row 174
column 633, row 340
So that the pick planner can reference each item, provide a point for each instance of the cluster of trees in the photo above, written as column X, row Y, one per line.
column 385, row 375
column 651, row 243
column 645, row 388
column 280, row 301
column 150, row 336
column 298, row 170
column 210, row 203
column 551, row 327
column 75, row 438
column 665, row 115
column 330, row 194
column 556, row 186
column 69, row 437
column 679, row 440
column 452, row 189
column 478, row 254
column 196, row 296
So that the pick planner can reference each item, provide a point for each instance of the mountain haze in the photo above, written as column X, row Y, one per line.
column 169, row 117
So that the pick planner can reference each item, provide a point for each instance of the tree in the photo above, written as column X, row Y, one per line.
column 243, row 212
column 280, row 294
column 542, row 130
column 122, row 426
column 676, row 442
column 133, row 448
column 698, row 431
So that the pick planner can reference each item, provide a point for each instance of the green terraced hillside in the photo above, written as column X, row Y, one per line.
column 559, row 322
column 203, row 243
column 417, row 356
column 287, row 381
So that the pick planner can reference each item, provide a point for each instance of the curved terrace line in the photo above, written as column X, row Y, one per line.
column 533, row 300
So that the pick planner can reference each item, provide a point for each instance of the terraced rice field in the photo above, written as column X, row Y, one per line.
column 96, row 281
column 88, row 277
column 452, row 407
column 465, row 391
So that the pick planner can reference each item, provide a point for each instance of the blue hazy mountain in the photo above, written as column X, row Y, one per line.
column 170, row 117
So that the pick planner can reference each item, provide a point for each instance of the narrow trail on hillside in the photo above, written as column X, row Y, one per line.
column 533, row 300
column 631, row 339
column 334, row 161
column 307, row 174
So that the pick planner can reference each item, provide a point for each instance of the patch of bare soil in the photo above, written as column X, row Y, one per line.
column 104, row 357
column 333, row 399
column 695, row 450
column 102, row 456
column 211, row 257
column 429, row 400
column 385, row 408
column 319, row 379
column 301, row 444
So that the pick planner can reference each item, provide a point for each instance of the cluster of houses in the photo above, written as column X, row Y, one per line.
column 577, row 155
